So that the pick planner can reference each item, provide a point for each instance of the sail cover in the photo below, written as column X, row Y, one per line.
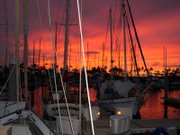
column 106, row 86
column 123, row 87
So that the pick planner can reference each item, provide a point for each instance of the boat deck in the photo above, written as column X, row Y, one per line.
column 136, row 126
column 141, row 126
column 101, row 127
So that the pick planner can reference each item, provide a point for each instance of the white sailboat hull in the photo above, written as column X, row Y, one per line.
column 131, row 104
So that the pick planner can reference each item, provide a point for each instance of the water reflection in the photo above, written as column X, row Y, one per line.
column 154, row 105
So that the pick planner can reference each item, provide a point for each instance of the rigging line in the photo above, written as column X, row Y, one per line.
column 80, row 98
column 40, row 17
column 51, row 87
column 80, row 81
column 64, row 92
column 66, row 102
column 41, row 25
column 54, row 72
column 61, row 22
column 119, row 34
column 107, row 29
column 49, row 75
column 117, row 43
column 137, row 38
column 62, row 15
column 111, row 41
column 132, row 43
column 114, row 29
column 114, row 20
column 84, row 62
column 7, row 80
column 17, row 44
column 41, row 29
column 67, row 105
column 50, row 82
column 7, row 33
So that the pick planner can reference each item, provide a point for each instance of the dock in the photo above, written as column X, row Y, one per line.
column 141, row 126
column 173, row 102
column 137, row 126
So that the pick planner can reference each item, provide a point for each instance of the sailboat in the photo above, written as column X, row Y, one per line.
column 16, row 117
column 123, row 96
column 69, row 116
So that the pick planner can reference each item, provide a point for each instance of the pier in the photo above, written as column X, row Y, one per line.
column 173, row 102
column 137, row 126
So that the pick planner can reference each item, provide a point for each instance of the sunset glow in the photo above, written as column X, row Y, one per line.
column 157, row 23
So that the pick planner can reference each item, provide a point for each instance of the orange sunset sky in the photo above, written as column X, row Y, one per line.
column 157, row 23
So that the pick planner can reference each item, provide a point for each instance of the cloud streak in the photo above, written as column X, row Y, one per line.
column 157, row 24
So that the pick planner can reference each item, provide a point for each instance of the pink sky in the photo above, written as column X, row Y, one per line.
column 157, row 23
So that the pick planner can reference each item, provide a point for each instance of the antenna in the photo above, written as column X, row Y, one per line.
column 25, row 17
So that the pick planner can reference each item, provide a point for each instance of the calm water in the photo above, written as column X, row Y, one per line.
column 154, row 105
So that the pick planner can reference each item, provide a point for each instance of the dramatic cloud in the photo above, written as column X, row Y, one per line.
column 157, row 23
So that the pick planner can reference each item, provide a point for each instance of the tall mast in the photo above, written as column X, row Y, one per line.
column 137, row 38
column 25, row 17
column 17, row 46
column 165, row 59
column 39, row 60
column 33, row 51
column 111, row 38
column 43, row 60
column 6, row 57
column 69, row 55
column 124, row 32
column 55, row 58
column 119, row 56
column 103, row 48
column 66, row 42
column 87, row 55
column 166, row 83
column 133, row 50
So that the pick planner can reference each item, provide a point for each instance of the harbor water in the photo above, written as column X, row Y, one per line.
column 153, row 107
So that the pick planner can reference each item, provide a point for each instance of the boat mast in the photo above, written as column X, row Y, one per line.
column 137, row 38
column 103, row 48
column 7, row 33
column 111, row 39
column 25, row 17
column 39, row 60
column 70, row 45
column 66, row 42
column 166, row 83
column 165, row 59
column 124, row 32
column 87, row 55
column 17, row 46
column 133, row 50
column 119, row 56
column 34, row 51
column 55, row 56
